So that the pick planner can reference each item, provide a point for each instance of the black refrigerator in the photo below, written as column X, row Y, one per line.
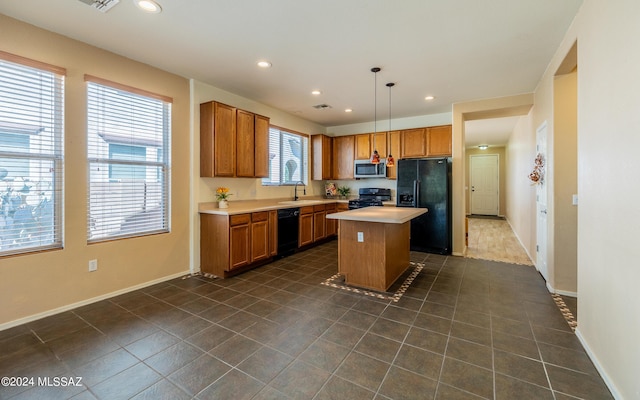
column 426, row 183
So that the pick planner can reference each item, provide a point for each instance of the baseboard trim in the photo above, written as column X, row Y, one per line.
column 607, row 381
column 68, row 307
column 566, row 293
column 520, row 241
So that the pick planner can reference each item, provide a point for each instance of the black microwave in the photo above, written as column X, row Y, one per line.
column 367, row 169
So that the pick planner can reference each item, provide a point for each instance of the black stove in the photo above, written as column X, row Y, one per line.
column 370, row 197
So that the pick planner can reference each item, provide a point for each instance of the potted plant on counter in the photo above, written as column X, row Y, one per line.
column 222, row 195
column 344, row 191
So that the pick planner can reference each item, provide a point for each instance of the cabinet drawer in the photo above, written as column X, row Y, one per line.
column 319, row 207
column 330, row 207
column 306, row 210
column 260, row 216
column 239, row 219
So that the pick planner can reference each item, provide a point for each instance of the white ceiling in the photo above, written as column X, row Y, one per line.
column 456, row 50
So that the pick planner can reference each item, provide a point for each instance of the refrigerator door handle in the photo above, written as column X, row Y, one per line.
column 416, row 193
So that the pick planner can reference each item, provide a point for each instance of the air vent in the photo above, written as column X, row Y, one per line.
column 322, row 106
column 101, row 5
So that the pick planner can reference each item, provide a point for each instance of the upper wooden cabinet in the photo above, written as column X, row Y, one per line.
column 343, row 150
column 368, row 142
column 414, row 143
column 261, row 151
column 322, row 151
column 232, row 142
column 245, row 144
column 439, row 141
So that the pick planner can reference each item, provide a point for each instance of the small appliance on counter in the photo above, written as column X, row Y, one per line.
column 370, row 197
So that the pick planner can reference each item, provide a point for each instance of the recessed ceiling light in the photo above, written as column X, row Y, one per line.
column 483, row 147
column 429, row 98
column 316, row 92
column 264, row 64
column 149, row 6
column 348, row 110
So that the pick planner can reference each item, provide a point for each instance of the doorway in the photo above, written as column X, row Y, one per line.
column 484, row 184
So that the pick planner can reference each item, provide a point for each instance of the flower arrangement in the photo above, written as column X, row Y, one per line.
column 222, row 193
column 537, row 175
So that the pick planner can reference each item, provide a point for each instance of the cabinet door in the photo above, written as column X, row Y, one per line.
column 379, row 142
column 394, row 150
column 239, row 237
column 207, row 148
column 262, row 147
column 224, row 140
column 363, row 146
column 259, row 240
column 305, row 235
column 245, row 143
column 414, row 143
column 321, row 147
column 331, row 225
column 439, row 141
column 273, row 232
column 344, row 157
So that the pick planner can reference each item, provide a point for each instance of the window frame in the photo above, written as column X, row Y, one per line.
column 304, row 157
column 44, row 135
column 131, row 223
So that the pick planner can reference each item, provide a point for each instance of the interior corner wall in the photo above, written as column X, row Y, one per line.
column 608, row 120
column 521, row 195
column 565, row 183
column 37, row 284
column 501, row 152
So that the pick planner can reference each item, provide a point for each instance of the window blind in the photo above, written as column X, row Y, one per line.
column 287, row 158
column 128, row 148
column 31, row 155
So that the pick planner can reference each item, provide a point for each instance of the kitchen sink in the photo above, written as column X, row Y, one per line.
column 300, row 202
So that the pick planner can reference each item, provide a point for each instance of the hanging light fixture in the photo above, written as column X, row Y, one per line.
column 375, row 157
column 390, row 161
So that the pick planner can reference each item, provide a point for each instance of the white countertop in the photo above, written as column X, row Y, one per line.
column 248, row 206
column 389, row 215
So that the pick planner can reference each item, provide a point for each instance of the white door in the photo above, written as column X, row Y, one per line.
column 485, row 191
column 541, row 205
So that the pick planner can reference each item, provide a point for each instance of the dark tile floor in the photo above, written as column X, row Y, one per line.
column 465, row 329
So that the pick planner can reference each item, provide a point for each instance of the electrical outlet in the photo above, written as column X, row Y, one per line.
column 360, row 237
column 93, row 265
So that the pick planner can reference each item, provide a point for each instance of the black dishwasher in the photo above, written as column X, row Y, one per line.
column 287, row 231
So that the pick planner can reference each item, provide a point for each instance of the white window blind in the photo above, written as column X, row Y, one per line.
column 287, row 158
column 31, row 155
column 128, row 139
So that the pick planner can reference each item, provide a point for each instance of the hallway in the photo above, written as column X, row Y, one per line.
column 491, row 238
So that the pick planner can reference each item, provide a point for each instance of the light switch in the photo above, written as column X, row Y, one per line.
column 574, row 199
column 360, row 236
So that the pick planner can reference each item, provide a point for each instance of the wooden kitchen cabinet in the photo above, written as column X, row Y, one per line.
column 414, row 143
column 331, row 225
column 344, row 153
column 259, row 236
column 239, row 240
column 322, row 157
column 439, row 141
column 233, row 142
column 273, row 233
column 363, row 146
column 305, row 231
column 319, row 221
column 394, row 149
column 261, row 151
column 233, row 243
column 217, row 139
column 245, row 144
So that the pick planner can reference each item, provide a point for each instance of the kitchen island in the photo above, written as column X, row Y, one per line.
column 373, row 245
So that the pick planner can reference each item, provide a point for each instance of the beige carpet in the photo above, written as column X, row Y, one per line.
column 493, row 239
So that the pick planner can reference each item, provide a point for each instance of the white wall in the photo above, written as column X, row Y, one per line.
column 608, row 215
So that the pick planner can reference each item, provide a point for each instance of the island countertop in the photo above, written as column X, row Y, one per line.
column 389, row 215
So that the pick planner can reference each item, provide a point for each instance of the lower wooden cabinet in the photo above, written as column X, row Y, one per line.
column 319, row 218
column 305, row 230
column 232, row 243
column 331, row 225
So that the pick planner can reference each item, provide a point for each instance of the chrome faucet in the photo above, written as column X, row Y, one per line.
column 295, row 190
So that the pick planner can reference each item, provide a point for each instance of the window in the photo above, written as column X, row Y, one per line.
column 31, row 155
column 128, row 136
column 287, row 158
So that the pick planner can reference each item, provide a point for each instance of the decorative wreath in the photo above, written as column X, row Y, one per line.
column 537, row 175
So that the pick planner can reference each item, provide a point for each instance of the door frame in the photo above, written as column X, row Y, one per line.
column 471, row 157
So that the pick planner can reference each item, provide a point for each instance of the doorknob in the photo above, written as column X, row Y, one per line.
column 543, row 211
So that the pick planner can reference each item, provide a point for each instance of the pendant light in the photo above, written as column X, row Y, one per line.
column 390, row 161
column 375, row 157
